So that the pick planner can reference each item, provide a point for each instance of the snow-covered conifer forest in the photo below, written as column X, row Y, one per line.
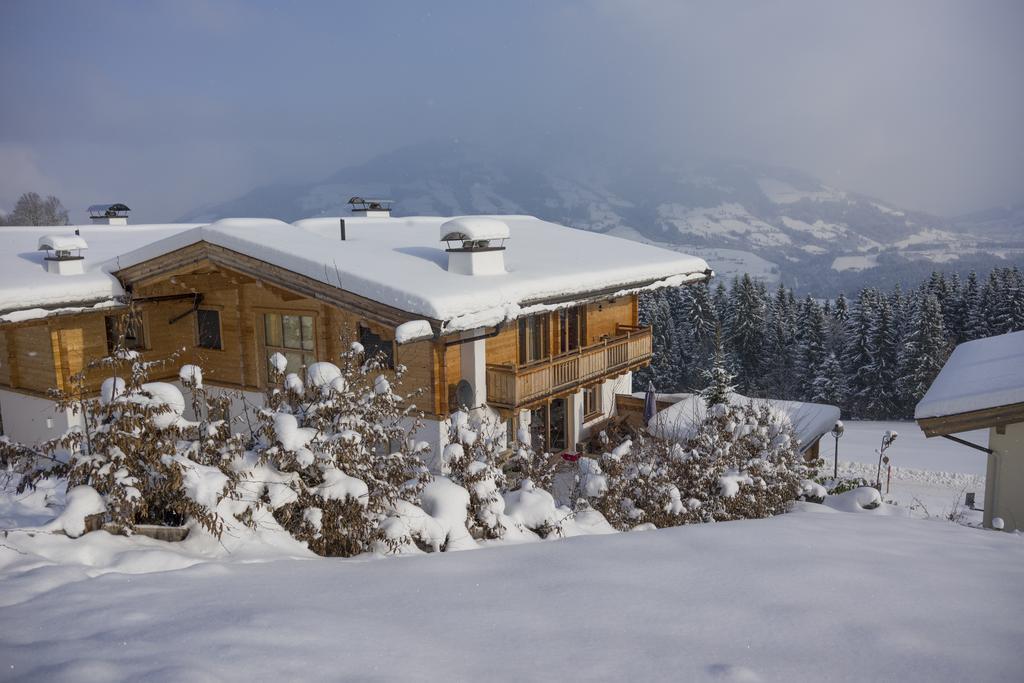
column 873, row 355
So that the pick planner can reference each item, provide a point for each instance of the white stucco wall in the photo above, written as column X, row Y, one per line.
column 1004, row 478
column 30, row 419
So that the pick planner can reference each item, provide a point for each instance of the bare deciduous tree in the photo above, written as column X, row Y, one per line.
column 32, row 209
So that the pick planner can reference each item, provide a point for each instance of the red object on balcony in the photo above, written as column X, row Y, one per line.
column 570, row 457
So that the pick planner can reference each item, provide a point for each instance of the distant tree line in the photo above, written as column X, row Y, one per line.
column 32, row 209
column 874, row 356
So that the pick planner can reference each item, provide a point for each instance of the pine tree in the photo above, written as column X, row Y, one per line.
column 829, row 384
column 780, row 362
column 718, row 380
column 856, row 357
column 746, row 331
column 881, row 395
column 698, row 326
column 812, row 347
column 925, row 350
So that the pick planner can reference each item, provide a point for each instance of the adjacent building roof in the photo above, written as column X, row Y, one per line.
column 399, row 262
column 680, row 421
column 26, row 285
column 980, row 375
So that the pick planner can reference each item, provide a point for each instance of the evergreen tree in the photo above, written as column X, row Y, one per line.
column 882, row 371
column 924, row 351
column 829, row 384
column 746, row 330
column 780, row 361
column 718, row 380
column 811, row 349
column 856, row 358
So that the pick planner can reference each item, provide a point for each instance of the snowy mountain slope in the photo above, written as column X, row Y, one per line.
column 777, row 215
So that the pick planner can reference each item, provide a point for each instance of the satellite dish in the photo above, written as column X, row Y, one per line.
column 464, row 394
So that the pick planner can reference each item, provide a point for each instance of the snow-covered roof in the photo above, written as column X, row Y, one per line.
column 400, row 262
column 679, row 421
column 395, row 261
column 474, row 228
column 980, row 374
column 25, row 283
column 62, row 242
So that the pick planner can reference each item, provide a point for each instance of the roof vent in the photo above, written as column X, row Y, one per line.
column 63, row 254
column 109, row 214
column 476, row 245
column 371, row 208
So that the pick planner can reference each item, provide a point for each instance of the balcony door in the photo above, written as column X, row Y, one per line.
column 572, row 328
column 533, row 339
column 549, row 426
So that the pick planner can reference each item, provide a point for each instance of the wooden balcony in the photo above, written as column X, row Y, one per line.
column 518, row 386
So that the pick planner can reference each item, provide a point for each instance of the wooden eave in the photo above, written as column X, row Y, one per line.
column 975, row 419
column 167, row 265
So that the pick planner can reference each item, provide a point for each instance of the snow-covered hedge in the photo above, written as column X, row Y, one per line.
column 741, row 463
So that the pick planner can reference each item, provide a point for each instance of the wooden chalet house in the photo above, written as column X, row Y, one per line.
column 530, row 320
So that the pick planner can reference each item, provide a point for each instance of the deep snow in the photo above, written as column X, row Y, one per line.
column 813, row 595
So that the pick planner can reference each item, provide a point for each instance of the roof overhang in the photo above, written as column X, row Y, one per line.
column 614, row 291
column 996, row 416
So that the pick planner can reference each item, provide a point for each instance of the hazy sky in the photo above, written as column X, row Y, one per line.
column 170, row 105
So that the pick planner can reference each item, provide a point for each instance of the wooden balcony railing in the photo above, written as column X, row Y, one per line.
column 513, row 386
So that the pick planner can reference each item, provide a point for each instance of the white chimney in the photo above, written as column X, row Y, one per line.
column 109, row 214
column 63, row 253
column 371, row 208
column 476, row 245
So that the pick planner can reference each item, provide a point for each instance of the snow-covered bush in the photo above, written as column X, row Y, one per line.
column 472, row 460
column 528, row 464
column 336, row 458
column 133, row 447
column 741, row 462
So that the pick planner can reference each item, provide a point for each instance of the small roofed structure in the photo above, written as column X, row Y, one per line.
column 981, row 386
column 679, row 421
column 63, row 253
column 475, row 245
column 371, row 208
column 109, row 214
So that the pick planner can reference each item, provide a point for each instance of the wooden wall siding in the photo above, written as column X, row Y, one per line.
column 604, row 318
column 242, row 302
column 452, row 373
column 5, row 360
column 33, row 359
column 504, row 348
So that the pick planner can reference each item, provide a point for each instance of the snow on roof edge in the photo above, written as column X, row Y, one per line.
column 979, row 374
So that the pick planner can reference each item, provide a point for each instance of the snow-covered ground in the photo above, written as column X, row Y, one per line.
column 929, row 476
column 816, row 594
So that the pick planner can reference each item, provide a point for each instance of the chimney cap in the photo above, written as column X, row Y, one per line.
column 62, row 243
column 369, row 204
column 115, row 210
column 474, row 229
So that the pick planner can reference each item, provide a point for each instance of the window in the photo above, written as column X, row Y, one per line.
column 130, row 324
column 533, row 338
column 376, row 347
column 592, row 401
column 208, row 329
column 572, row 328
column 292, row 337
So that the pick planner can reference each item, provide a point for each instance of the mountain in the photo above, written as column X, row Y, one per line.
column 775, row 223
column 1000, row 223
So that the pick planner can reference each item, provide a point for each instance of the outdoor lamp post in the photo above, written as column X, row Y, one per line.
column 837, row 431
